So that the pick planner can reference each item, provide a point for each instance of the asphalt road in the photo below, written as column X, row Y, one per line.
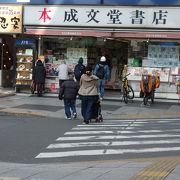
column 22, row 137
column 32, row 139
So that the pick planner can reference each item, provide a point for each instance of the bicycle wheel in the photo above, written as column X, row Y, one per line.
column 130, row 93
column 125, row 95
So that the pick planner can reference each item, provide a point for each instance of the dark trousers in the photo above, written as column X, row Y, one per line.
column 69, row 107
column 40, row 88
column 87, row 103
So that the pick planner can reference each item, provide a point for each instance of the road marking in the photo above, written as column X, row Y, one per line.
column 107, row 125
column 118, row 132
column 103, row 152
column 9, row 178
column 144, row 120
column 112, row 143
column 114, row 137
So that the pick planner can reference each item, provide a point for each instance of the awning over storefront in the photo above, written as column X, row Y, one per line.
column 57, row 32
column 148, row 35
column 96, row 33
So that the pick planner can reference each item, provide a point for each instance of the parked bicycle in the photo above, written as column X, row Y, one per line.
column 148, row 86
column 127, row 90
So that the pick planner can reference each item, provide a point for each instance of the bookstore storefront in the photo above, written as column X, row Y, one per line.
column 136, row 36
column 90, row 48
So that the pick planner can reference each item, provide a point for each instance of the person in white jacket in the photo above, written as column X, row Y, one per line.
column 63, row 72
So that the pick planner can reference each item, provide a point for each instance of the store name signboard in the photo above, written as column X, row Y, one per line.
column 102, row 16
column 25, row 42
column 22, row 1
column 10, row 19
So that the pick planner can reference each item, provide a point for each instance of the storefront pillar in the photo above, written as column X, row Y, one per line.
column 1, row 71
column 39, row 45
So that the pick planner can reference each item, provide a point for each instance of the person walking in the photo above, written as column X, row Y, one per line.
column 68, row 92
column 62, row 72
column 79, row 69
column 88, row 93
column 102, row 72
column 39, row 75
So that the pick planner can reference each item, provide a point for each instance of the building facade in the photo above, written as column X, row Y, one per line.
column 146, row 38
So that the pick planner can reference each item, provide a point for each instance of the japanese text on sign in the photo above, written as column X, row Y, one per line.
column 10, row 19
column 102, row 16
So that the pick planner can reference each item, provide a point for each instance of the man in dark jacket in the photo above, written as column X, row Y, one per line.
column 79, row 69
column 68, row 92
column 39, row 74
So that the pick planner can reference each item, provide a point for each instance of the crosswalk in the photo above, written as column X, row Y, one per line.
column 117, row 137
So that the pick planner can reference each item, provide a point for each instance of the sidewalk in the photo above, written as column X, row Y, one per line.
column 162, row 108
column 146, row 169
column 7, row 92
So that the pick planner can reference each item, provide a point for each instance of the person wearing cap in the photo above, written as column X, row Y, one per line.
column 106, row 72
column 79, row 69
column 88, row 93
column 68, row 92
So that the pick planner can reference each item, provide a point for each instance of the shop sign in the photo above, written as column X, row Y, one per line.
column 10, row 19
column 137, row 72
column 23, row 1
column 142, row 2
column 67, row 32
column 102, row 16
column 74, row 2
column 25, row 42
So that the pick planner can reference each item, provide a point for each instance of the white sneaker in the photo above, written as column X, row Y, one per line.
column 74, row 115
column 68, row 118
column 101, row 98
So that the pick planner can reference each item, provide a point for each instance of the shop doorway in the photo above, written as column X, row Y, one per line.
column 91, row 49
column 6, row 63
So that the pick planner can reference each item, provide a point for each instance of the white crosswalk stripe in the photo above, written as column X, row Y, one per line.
column 117, row 137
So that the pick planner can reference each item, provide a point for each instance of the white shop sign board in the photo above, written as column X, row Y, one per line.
column 137, row 72
column 102, row 16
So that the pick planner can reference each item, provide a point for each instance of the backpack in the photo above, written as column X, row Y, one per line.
column 100, row 72
column 78, row 71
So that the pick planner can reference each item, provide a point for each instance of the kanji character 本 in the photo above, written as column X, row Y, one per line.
column 3, row 22
column 137, row 17
column 15, row 22
column 92, row 15
column 160, row 17
column 71, row 15
column 44, row 15
column 114, row 16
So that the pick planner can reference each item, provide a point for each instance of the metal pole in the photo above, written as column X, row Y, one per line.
column 39, row 46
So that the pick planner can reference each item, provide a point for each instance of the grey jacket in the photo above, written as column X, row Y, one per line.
column 88, row 85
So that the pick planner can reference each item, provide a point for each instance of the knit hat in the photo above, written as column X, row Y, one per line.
column 80, row 60
column 103, row 59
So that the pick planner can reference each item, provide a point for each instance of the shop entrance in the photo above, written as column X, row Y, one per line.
column 90, row 49
column 6, row 62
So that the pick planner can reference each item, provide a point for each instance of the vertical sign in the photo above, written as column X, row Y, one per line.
column 10, row 19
